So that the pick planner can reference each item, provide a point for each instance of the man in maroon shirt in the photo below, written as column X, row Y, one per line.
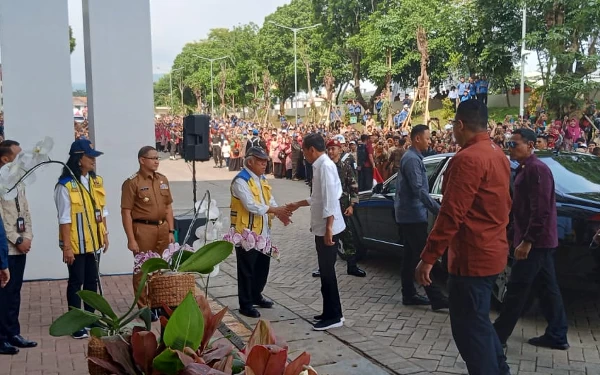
column 535, row 239
column 472, row 225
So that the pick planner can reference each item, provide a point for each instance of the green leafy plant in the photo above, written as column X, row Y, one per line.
column 107, row 323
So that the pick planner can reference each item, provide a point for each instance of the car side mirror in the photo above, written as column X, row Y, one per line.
column 378, row 189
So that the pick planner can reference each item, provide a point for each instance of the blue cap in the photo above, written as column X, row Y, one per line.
column 255, row 132
column 257, row 152
column 85, row 147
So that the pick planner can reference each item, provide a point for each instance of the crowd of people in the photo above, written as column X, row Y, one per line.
column 231, row 137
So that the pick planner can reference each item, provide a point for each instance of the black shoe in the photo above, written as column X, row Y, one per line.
column 416, row 300
column 264, row 303
column 8, row 349
column 316, row 273
column 440, row 305
column 320, row 317
column 545, row 342
column 355, row 271
column 81, row 334
column 324, row 325
column 250, row 313
column 20, row 342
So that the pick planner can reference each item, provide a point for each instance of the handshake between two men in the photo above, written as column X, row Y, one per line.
column 284, row 213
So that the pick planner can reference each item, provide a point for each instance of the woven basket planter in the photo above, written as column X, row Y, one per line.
column 96, row 348
column 170, row 289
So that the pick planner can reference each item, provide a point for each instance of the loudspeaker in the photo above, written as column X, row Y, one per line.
column 182, row 224
column 196, row 138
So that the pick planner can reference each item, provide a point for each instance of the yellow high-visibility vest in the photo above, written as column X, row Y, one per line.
column 83, row 206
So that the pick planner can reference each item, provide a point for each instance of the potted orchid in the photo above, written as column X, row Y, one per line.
column 176, row 269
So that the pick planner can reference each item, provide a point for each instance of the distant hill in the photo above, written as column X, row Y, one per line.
column 81, row 85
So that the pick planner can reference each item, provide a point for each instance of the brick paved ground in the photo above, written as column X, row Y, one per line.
column 397, row 338
column 380, row 335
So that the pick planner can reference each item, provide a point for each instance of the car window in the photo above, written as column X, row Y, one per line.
column 431, row 166
column 437, row 186
column 575, row 174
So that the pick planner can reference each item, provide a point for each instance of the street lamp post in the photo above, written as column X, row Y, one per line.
column 524, row 53
column 295, row 30
column 212, row 95
column 171, row 85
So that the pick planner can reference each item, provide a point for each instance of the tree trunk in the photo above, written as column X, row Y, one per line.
column 507, row 94
column 343, row 89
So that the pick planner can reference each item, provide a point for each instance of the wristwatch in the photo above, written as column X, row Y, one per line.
column 172, row 231
column 19, row 241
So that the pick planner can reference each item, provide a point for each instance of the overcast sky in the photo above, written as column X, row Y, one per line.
column 177, row 22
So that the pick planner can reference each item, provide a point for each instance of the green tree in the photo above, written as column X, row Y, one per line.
column 564, row 35
column 277, row 46
column 80, row 93
column 72, row 42
column 342, row 19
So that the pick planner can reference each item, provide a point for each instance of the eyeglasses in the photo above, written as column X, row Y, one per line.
column 511, row 144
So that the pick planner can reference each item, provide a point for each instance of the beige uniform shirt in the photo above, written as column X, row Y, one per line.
column 10, row 214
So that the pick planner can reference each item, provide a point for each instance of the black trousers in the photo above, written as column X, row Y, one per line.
column 483, row 98
column 472, row 329
column 82, row 273
column 365, row 179
column 252, row 273
column 327, row 255
column 538, row 267
column 415, row 237
column 10, row 298
column 309, row 171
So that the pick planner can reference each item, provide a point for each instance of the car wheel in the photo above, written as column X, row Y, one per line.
column 340, row 251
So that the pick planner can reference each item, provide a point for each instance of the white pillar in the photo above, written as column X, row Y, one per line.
column 118, row 57
column 36, row 72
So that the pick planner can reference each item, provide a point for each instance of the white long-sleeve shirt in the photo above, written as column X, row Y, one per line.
column 325, row 198
column 241, row 190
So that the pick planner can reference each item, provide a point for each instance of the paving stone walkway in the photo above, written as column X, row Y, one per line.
column 380, row 336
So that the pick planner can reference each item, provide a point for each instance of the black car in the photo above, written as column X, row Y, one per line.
column 577, row 180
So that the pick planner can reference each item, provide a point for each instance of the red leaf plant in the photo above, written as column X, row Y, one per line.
column 129, row 355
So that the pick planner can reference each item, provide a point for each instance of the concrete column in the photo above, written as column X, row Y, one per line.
column 36, row 72
column 118, row 57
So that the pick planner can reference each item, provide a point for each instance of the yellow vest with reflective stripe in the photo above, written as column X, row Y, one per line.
column 82, row 239
column 240, row 217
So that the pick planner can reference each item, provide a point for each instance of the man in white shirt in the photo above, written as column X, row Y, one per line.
column 326, row 223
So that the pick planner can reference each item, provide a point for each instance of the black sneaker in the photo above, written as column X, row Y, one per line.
column 416, row 300
column 316, row 273
column 320, row 317
column 81, row 334
column 324, row 325
column 545, row 342
column 440, row 305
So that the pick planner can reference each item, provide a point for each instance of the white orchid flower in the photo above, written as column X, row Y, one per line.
column 10, row 174
column 197, row 244
column 39, row 153
column 214, row 213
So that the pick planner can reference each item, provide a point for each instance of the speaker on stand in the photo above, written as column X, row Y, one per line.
column 196, row 143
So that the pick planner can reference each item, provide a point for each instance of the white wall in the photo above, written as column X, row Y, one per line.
column 118, row 57
column 34, row 39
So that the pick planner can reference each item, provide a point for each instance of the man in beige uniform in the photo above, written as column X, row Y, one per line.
column 146, row 210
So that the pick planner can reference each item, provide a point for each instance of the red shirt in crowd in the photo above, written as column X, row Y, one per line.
column 474, row 214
